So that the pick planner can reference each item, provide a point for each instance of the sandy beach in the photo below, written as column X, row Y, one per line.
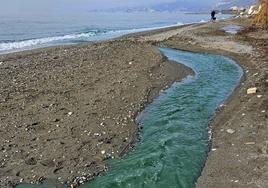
column 65, row 110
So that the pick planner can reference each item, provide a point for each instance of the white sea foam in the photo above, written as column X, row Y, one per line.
column 89, row 36
column 34, row 42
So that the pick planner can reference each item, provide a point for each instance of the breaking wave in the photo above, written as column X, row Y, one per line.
column 92, row 35
column 5, row 46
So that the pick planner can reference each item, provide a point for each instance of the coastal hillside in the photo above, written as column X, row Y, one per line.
column 191, row 6
column 262, row 17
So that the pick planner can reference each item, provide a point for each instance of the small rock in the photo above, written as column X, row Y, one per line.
column 252, row 90
column 48, row 163
column 213, row 149
column 1, row 62
column 56, row 120
column 230, row 131
column 250, row 143
column 259, row 96
column 130, row 63
column 70, row 113
column 264, row 149
column 222, row 105
column 30, row 161
column 103, row 152
column 45, row 105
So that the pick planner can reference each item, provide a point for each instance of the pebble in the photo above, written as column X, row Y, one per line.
column 259, row 96
column 103, row 152
column 222, row 105
column 1, row 62
column 250, row 143
column 70, row 113
column 264, row 150
column 213, row 149
column 230, row 131
column 130, row 63
column 252, row 90
column 56, row 120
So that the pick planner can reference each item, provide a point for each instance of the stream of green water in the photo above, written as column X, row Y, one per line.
column 175, row 136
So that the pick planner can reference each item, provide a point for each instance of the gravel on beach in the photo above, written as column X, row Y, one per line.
column 65, row 110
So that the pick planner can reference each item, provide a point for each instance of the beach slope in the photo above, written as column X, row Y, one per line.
column 65, row 110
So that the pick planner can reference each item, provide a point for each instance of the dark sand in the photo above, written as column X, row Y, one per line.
column 104, row 91
column 65, row 110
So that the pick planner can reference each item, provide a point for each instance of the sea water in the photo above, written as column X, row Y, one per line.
column 27, row 31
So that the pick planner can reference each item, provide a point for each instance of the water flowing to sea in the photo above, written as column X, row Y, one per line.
column 175, row 136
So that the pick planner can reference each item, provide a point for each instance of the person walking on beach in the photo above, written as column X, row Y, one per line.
column 213, row 13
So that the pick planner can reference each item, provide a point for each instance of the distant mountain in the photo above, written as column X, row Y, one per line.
column 182, row 5
column 226, row 4
column 179, row 5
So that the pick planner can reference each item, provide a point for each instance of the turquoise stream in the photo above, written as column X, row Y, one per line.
column 175, row 135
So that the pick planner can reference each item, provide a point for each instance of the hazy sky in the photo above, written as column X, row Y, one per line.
column 43, row 6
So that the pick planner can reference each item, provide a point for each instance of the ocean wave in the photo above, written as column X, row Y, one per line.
column 5, row 46
column 92, row 35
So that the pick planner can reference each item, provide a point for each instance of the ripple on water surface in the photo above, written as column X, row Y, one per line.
column 174, row 139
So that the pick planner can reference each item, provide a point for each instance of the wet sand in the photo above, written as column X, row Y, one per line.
column 65, row 110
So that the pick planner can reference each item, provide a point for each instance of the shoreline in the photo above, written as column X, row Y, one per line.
column 218, row 172
column 123, row 36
